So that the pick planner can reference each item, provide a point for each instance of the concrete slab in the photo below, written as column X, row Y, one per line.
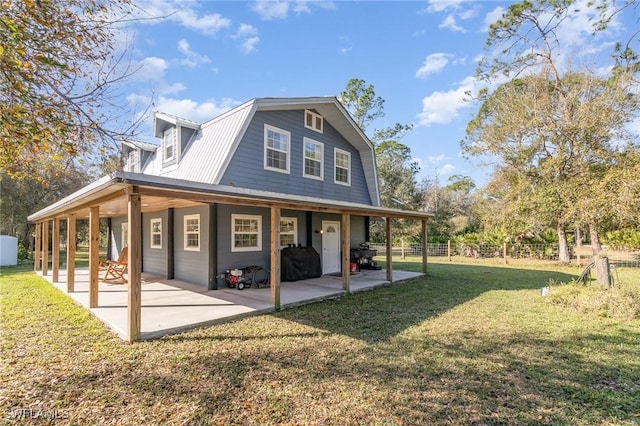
column 173, row 306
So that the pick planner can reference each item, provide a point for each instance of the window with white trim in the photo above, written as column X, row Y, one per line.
column 246, row 232
column 192, row 232
column 288, row 231
column 342, row 161
column 313, row 121
column 313, row 159
column 169, row 144
column 156, row 233
column 277, row 149
column 132, row 161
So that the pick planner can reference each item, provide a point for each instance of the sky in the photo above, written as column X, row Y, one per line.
column 198, row 59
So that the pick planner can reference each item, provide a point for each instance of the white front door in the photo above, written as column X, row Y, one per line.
column 330, row 247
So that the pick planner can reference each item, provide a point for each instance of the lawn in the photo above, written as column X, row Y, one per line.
column 467, row 344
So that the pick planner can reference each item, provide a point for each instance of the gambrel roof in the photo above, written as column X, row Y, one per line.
column 211, row 148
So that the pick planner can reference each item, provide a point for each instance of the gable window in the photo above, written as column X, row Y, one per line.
column 313, row 121
column 246, row 232
column 342, row 167
column 288, row 231
column 313, row 159
column 192, row 232
column 276, row 149
column 169, row 144
column 132, row 161
column 156, row 233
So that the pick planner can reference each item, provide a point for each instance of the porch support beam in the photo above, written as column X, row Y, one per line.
column 94, row 251
column 213, row 247
column 134, row 266
column 55, row 251
column 170, row 244
column 345, row 230
column 45, row 248
column 37, row 257
column 424, row 246
column 71, row 253
column 389, row 250
column 275, row 257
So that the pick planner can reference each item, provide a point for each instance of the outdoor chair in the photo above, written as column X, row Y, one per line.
column 115, row 269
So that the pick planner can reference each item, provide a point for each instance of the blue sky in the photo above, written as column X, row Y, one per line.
column 205, row 57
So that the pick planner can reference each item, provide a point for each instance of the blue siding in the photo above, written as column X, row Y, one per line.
column 154, row 260
column 191, row 266
column 246, row 168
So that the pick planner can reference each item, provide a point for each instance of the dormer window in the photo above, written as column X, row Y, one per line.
column 169, row 144
column 132, row 161
column 313, row 121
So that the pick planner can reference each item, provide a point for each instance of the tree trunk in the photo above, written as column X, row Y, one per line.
column 563, row 247
column 603, row 274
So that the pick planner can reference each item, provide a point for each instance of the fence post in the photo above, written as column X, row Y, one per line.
column 449, row 250
column 402, row 255
column 504, row 252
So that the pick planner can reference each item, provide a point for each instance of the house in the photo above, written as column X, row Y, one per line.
column 232, row 192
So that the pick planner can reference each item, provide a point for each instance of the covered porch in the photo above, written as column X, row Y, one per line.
column 132, row 194
column 172, row 306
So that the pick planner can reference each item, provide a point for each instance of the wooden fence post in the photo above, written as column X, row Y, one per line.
column 449, row 250
column 504, row 252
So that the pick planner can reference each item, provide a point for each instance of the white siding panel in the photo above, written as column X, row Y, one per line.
column 208, row 153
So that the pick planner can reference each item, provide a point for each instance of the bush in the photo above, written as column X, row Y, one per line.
column 622, row 239
column 23, row 253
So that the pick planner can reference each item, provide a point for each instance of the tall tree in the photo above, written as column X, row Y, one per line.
column 59, row 79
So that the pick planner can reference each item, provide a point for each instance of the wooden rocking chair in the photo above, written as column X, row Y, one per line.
column 116, row 268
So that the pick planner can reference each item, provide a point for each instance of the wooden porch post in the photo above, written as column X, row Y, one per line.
column 134, row 266
column 94, row 254
column 424, row 246
column 275, row 257
column 389, row 251
column 37, row 257
column 45, row 248
column 346, row 251
column 71, row 253
column 55, row 251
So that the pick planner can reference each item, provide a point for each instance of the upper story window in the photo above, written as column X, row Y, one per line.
column 313, row 121
column 277, row 149
column 288, row 231
column 192, row 232
column 169, row 144
column 156, row 233
column 342, row 167
column 313, row 159
column 246, row 232
column 131, row 162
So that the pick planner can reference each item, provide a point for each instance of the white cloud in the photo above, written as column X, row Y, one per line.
column 447, row 169
column 246, row 30
column 249, row 36
column 183, row 13
column 192, row 110
column 451, row 24
column 249, row 45
column 444, row 107
column 492, row 17
column 268, row 10
column 436, row 159
column 441, row 5
column 433, row 63
column 191, row 59
column 151, row 68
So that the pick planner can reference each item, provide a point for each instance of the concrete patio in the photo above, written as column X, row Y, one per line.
column 173, row 306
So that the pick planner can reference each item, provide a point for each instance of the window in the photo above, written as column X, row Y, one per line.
column 124, row 235
column 288, row 231
column 192, row 232
column 169, row 144
column 276, row 149
column 313, row 155
column 156, row 233
column 343, row 167
column 132, row 161
column 246, row 233
column 313, row 121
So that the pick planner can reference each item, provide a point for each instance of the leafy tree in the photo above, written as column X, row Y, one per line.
column 59, row 78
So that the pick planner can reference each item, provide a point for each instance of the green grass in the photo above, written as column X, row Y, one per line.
column 467, row 344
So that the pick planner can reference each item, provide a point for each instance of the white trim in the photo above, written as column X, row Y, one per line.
column 294, row 232
column 153, row 233
column 314, row 121
column 173, row 136
column 335, row 166
column 186, row 233
column 306, row 140
column 268, row 128
column 258, row 219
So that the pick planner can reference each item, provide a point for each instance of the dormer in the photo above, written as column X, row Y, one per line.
column 135, row 154
column 174, row 134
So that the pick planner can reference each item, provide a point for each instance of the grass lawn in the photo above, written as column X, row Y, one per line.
column 467, row 344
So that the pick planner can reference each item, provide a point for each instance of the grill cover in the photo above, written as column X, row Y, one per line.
column 299, row 263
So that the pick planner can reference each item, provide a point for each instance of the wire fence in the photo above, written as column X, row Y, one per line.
column 578, row 254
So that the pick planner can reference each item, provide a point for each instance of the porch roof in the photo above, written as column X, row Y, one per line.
column 159, row 193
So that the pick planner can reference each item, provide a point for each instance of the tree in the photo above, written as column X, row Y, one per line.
column 59, row 77
column 553, row 130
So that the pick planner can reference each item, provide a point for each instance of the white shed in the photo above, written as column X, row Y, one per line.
column 8, row 250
